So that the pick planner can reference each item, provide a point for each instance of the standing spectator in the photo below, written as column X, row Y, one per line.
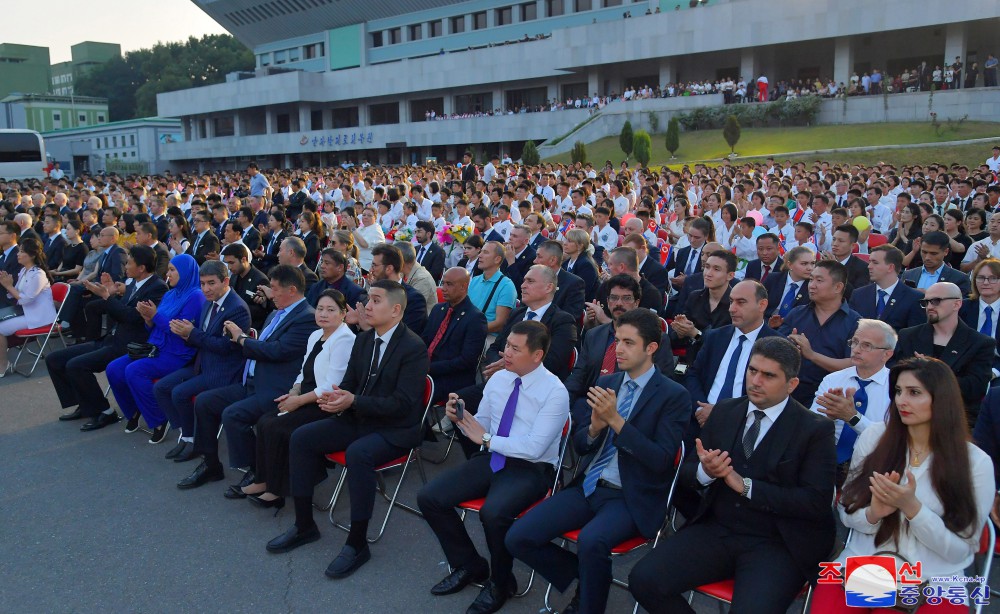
column 956, row 73
column 990, row 71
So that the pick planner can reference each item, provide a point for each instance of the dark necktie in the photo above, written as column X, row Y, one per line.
column 691, row 263
column 420, row 256
column 845, row 445
column 531, row 315
column 497, row 460
column 766, row 272
column 789, row 301
column 750, row 439
column 987, row 328
column 440, row 332
column 194, row 250
column 734, row 361
column 880, row 305
column 373, row 369
column 211, row 316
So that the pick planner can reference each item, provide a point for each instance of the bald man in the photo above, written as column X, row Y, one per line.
column 455, row 334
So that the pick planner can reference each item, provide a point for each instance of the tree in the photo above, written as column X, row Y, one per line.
column 643, row 147
column 626, row 139
column 673, row 141
column 731, row 132
column 529, row 154
column 579, row 153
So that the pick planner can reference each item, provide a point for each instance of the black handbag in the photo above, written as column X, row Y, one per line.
column 141, row 350
column 908, row 608
column 6, row 313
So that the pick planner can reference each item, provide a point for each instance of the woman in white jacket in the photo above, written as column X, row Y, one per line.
column 30, row 291
column 917, row 486
column 323, row 368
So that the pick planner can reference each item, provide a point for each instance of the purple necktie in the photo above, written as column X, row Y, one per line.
column 497, row 461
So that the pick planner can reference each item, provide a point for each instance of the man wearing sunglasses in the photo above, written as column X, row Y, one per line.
column 949, row 339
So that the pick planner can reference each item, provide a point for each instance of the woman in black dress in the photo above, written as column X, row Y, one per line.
column 324, row 366
column 73, row 254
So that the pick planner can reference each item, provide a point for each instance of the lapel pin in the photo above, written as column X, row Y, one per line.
column 892, row 301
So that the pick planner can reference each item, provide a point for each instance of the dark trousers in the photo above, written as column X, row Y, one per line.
column 72, row 372
column 274, row 432
column 175, row 395
column 93, row 318
column 365, row 450
column 508, row 492
column 238, row 408
column 605, row 521
column 767, row 579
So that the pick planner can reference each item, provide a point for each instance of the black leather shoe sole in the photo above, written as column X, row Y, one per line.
column 456, row 581
column 100, row 421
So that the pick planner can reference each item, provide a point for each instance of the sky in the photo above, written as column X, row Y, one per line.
column 133, row 24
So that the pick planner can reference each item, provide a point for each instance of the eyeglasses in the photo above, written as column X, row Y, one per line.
column 864, row 345
column 937, row 301
column 980, row 279
column 624, row 298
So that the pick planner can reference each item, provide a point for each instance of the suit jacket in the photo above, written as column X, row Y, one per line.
column 969, row 313
column 586, row 269
column 162, row 259
column 857, row 273
column 312, row 249
column 678, row 263
column 949, row 274
column 208, row 243
column 54, row 251
column 415, row 316
column 393, row 405
column 755, row 269
column 775, row 285
column 251, row 238
column 591, row 357
column 219, row 358
column 353, row 293
column 538, row 240
column 987, row 432
column 562, row 331
column 708, row 365
column 12, row 266
column 800, row 466
column 311, row 277
column 246, row 288
column 517, row 270
column 433, row 261
column 270, row 257
column 112, row 262
column 453, row 363
column 128, row 325
column 647, row 446
column 162, row 226
column 969, row 354
column 279, row 357
column 902, row 307
column 570, row 294
column 653, row 272
column 30, row 234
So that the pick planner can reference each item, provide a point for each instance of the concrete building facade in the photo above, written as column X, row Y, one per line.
column 126, row 147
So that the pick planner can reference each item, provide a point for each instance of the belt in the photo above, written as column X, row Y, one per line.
column 607, row 484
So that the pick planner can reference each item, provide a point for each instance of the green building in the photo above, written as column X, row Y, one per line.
column 46, row 112
column 23, row 69
column 86, row 56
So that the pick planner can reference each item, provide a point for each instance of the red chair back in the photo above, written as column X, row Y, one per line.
column 875, row 240
column 440, row 293
column 59, row 291
column 863, row 257
column 572, row 359
column 252, row 333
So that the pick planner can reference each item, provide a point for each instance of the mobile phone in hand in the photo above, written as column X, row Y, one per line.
column 459, row 410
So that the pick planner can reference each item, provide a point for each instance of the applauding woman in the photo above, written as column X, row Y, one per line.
column 132, row 376
column 917, row 486
column 323, row 369
column 30, row 294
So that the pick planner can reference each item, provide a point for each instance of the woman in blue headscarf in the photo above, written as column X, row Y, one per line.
column 132, row 380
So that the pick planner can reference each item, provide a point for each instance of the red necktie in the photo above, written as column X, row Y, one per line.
column 610, row 362
column 440, row 332
column 767, row 269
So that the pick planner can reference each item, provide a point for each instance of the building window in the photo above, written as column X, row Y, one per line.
column 83, row 118
column 294, row 54
column 284, row 123
column 554, row 8
column 265, row 59
column 504, row 16
column 100, row 119
column 346, row 117
column 376, row 39
column 395, row 36
column 224, row 126
column 416, row 32
column 281, row 57
column 105, row 142
column 479, row 21
column 435, row 29
column 57, row 117
column 384, row 113
column 315, row 120
column 582, row 5
column 133, row 154
column 458, row 24
column 131, row 139
column 529, row 12
column 610, row 3
column 317, row 50
column 114, row 141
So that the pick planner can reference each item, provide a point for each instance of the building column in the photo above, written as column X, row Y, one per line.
column 447, row 104
column 956, row 43
column 305, row 117
column 270, row 121
column 404, row 111
column 362, row 115
column 666, row 71
column 209, row 127
column 237, row 124
column 189, row 132
column 594, row 83
column 552, row 91
column 498, row 101
column 748, row 65
column 843, row 60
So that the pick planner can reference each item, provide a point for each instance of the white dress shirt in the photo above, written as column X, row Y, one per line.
column 538, row 312
column 878, row 396
column 888, row 292
column 741, row 365
column 385, row 343
column 331, row 362
column 971, row 254
column 542, row 411
column 993, row 317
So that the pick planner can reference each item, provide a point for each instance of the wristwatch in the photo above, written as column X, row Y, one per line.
column 242, row 337
column 486, row 441
column 746, row 487
column 854, row 421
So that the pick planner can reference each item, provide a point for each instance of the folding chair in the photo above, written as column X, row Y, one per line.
column 987, row 550
column 340, row 458
column 475, row 505
column 636, row 542
column 59, row 292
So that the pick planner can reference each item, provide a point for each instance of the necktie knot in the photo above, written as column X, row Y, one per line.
column 758, row 415
column 862, row 382
column 882, row 294
column 988, row 310
column 532, row 315
column 517, row 382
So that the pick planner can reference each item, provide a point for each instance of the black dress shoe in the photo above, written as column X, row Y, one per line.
column 266, row 503
column 187, row 455
column 73, row 415
column 100, row 421
column 159, row 434
column 133, row 424
column 348, row 561
column 292, row 539
column 573, row 607
column 491, row 598
column 202, row 475
column 176, row 450
column 459, row 579
column 235, row 491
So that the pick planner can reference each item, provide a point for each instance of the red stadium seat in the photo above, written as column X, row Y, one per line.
column 440, row 294
column 874, row 240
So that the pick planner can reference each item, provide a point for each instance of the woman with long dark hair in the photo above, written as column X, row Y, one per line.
column 31, row 291
column 917, row 486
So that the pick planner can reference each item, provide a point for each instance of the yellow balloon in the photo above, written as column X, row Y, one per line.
column 861, row 223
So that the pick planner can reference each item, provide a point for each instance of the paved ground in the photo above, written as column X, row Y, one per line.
column 92, row 522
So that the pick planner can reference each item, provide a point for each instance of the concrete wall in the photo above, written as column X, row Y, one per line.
column 980, row 104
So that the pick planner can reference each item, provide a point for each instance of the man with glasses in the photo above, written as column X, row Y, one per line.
column 982, row 310
column 946, row 337
column 858, row 396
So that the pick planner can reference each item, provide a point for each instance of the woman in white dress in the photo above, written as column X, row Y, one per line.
column 31, row 292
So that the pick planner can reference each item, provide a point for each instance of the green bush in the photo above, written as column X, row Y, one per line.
column 529, row 154
column 626, row 139
column 796, row 112
column 731, row 132
column 642, row 147
column 579, row 153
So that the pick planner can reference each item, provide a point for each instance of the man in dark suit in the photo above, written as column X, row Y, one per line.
column 518, row 256
column 946, row 337
column 454, row 334
column 146, row 234
column 387, row 263
column 625, row 260
column 53, row 241
column 332, row 268
column 297, row 200
column 218, row 363
column 429, row 253
column 630, row 427
column 277, row 353
column 245, row 280
column 23, row 221
column 251, row 236
column 469, row 174
column 767, row 262
column 934, row 251
column 650, row 268
column 570, row 291
column 765, row 466
column 375, row 417
column 688, row 258
column 789, row 289
column 845, row 237
column 72, row 369
column 8, row 255
column 707, row 308
column 887, row 298
column 204, row 242
column 87, row 325
column 266, row 256
column 156, row 215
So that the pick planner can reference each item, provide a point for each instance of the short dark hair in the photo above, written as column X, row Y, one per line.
column 767, row 235
column 394, row 291
column 482, row 213
column 625, row 282
column 236, row 250
column 426, row 226
column 536, row 335
column 391, row 256
column 645, row 322
column 143, row 256
column 893, row 256
column 334, row 255
column 214, row 267
column 288, row 276
column 336, row 296
column 727, row 256
column 781, row 351
column 838, row 272
column 297, row 246
column 937, row 238
column 850, row 230
column 150, row 229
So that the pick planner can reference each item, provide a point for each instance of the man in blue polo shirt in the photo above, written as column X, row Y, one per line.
column 493, row 293
column 821, row 329
column 259, row 185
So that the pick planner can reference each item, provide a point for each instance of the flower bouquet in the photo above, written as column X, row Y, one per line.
column 443, row 236
column 403, row 233
column 459, row 233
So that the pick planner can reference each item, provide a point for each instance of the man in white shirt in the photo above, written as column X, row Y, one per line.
column 984, row 248
column 858, row 396
column 603, row 234
column 518, row 424
column 424, row 212
column 993, row 162
column 490, row 170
